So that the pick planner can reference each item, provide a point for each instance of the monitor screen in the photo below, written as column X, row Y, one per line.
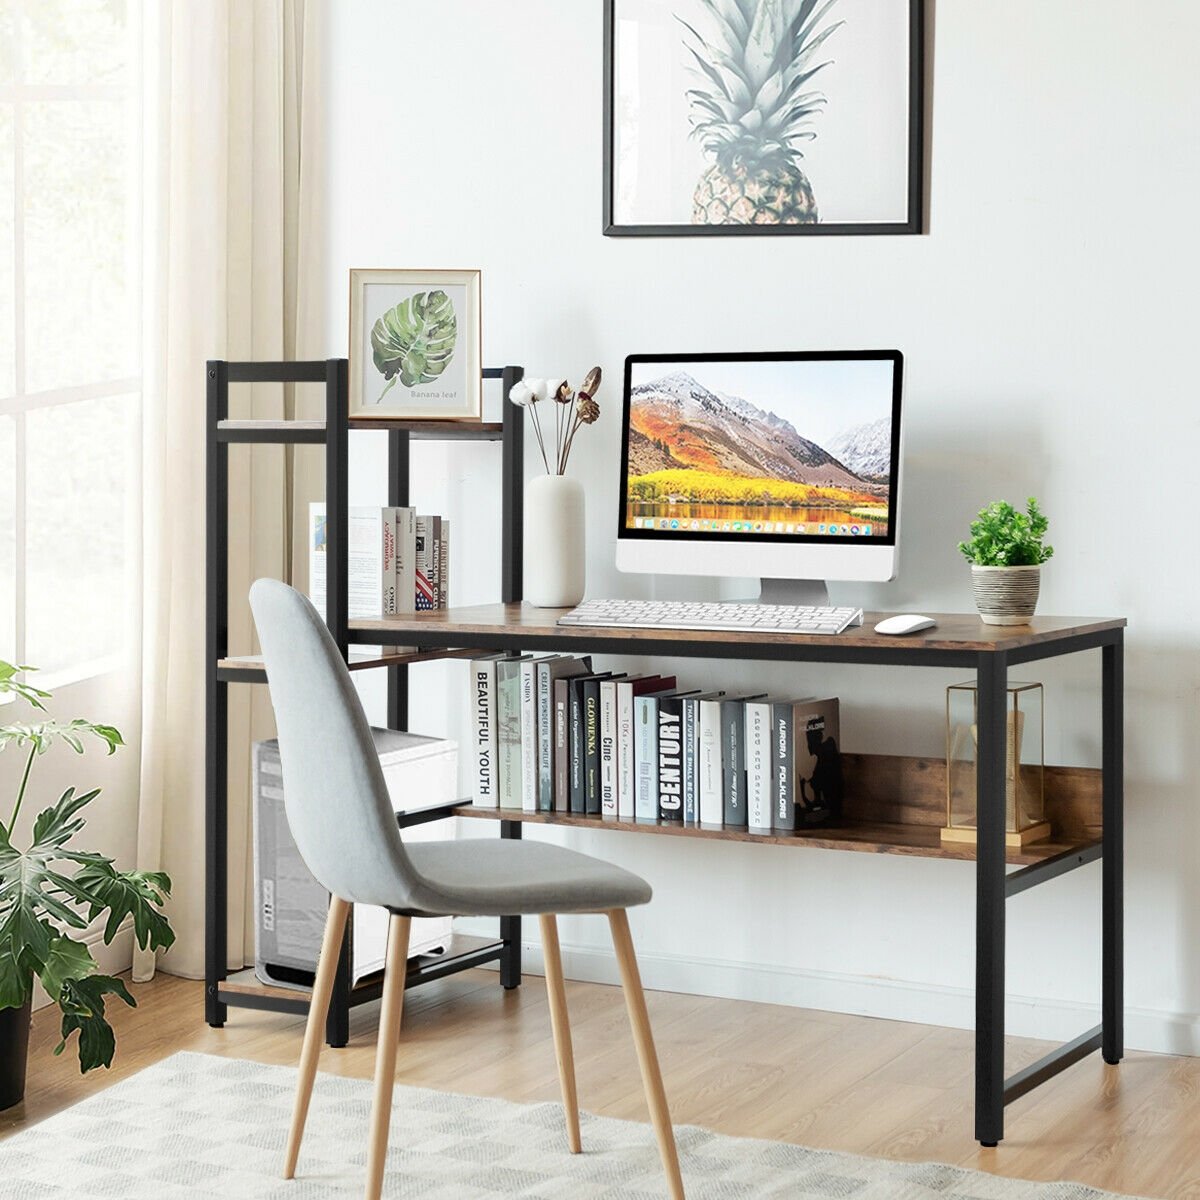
column 792, row 446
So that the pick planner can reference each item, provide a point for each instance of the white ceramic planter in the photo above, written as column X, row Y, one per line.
column 555, row 562
column 1006, row 595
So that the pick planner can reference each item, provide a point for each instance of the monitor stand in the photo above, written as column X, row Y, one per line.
column 807, row 592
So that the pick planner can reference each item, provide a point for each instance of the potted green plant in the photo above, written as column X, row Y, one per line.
column 50, row 891
column 1006, row 551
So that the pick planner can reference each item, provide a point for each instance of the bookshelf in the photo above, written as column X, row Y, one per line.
column 892, row 805
column 243, row 989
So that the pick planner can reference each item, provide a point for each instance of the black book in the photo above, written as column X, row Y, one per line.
column 577, row 736
column 670, row 758
column 733, row 758
column 783, row 808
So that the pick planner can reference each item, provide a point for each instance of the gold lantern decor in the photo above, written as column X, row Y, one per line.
column 1024, row 764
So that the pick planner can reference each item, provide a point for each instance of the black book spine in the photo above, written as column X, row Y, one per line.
column 670, row 758
column 591, row 746
column 783, row 731
column 575, row 738
column 733, row 753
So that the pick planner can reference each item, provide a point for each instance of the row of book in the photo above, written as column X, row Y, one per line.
column 398, row 560
column 549, row 734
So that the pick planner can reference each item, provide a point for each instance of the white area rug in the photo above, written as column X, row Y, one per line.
column 200, row 1126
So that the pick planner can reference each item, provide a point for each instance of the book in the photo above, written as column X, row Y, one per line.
column 435, row 559
column 608, row 747
column 508, row 731
column 626, row 779
column 759, row 763
column 370, row 560
column 549, row 673
column 710, row 769
column 562, row 747
column 818, row 761
column 691, row 755
column 444, row 565
column 670, row 757
column 733, row 759
column 783, row 800
column 576, row 744
column 423, row 560
column 405, row 521
column 645, row 752
column 591, row 740
column 529, row 729
column 481, row 678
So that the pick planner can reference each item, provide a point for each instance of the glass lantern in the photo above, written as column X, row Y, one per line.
column 1024, row 764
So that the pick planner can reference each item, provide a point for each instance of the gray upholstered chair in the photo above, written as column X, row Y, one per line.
column 345, row 828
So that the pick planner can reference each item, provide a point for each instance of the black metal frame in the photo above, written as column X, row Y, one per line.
column 994, row 885
column 334, row 436
column 914, row 222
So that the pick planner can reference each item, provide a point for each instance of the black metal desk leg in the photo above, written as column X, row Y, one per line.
column 1113, row 867
column 215, row 851
column 991, row 717
column 510, row 928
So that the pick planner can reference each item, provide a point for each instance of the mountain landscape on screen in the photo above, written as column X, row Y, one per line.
column 690, row 444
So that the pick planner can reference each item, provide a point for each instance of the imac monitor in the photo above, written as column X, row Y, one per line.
column 783, row 465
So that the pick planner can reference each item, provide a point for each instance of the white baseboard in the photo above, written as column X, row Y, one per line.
column 111, row 959
column 890, row 999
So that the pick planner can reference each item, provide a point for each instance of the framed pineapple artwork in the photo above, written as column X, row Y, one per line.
column 415, row 349
column 763, row 117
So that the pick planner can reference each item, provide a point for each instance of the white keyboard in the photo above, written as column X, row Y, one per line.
column 731, row 618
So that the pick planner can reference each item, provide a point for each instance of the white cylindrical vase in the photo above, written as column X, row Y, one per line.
column 555, row 559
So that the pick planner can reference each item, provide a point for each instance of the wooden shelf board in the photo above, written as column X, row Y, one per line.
column 484, row 431
column 523, row 625
column 923, row 841
column 359, row 660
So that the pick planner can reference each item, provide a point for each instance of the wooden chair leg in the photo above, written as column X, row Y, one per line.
column 314, row 1030
column 556, row 992
column 643, row 1039
column 395, row 972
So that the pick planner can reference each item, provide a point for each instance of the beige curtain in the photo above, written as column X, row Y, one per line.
column 233, row 154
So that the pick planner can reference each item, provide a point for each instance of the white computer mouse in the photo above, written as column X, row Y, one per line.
column 904, row 623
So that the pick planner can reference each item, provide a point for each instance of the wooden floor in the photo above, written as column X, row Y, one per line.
column 825, row 1080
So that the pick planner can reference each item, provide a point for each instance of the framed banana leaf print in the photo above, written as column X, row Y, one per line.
column 415, row 349
column 763, row 117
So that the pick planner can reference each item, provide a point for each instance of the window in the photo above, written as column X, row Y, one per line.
column 70, row 323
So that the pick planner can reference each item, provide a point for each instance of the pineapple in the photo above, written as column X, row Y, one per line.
column 751, row 109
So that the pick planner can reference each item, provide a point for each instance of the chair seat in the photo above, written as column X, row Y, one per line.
column 479, row 877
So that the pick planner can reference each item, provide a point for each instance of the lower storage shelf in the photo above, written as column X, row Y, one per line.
column 892, row 805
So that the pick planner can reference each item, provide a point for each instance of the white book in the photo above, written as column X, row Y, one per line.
column 608, row 747
column 370, row 560
column 529, row 733
column 482, row 699
column 645, row 757
column 709, row 773
column 444, row 566
column 508, row 732
column 626, row 782
column 758, row 763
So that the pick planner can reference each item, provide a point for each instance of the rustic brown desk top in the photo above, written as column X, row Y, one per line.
column 512, row 624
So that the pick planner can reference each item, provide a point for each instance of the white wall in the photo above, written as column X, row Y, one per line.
column 1047, row 321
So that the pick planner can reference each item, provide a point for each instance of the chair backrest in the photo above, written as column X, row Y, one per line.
column 333, row 786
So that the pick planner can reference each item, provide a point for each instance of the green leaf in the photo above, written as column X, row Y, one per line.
column 10, row 683
column 67, row 960
column 83, row 1012
column 41, row 735
column 415, row 341
column 139, row 894
column 1001, row 536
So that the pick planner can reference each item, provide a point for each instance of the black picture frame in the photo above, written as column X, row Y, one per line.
column 914, row 222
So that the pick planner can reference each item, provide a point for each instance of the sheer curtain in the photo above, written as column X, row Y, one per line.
column 232, row 144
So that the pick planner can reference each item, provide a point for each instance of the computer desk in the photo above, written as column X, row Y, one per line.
column 1078, row 799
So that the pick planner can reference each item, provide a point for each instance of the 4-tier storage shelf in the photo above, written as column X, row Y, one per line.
column 243, row 989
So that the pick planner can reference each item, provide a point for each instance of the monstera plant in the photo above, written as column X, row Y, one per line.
column 414, row 342
column 50, row 891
